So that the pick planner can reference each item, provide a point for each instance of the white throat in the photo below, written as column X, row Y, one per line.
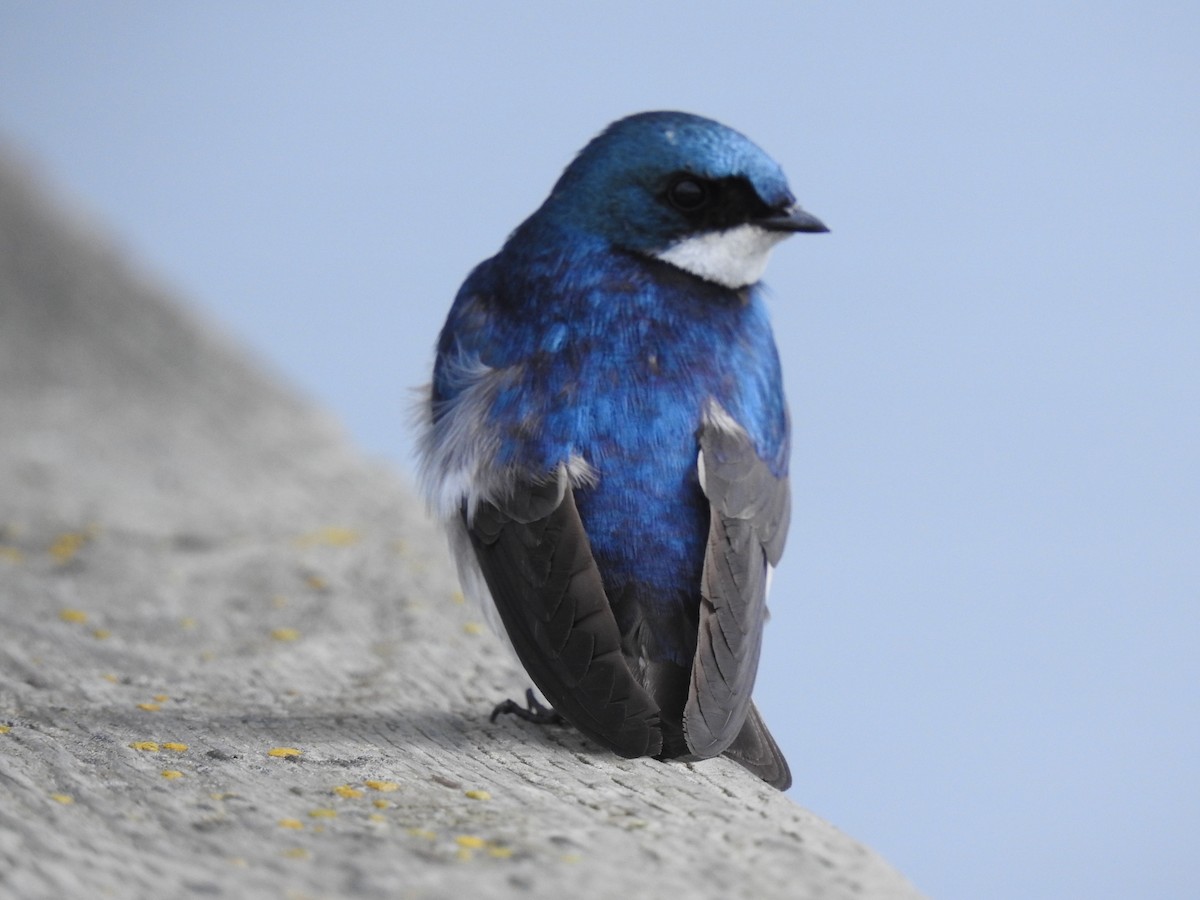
column 734, row 257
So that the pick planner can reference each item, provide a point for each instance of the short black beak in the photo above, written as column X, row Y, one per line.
column 794, row 219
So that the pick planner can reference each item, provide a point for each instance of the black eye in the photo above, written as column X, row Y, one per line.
column 688, row 194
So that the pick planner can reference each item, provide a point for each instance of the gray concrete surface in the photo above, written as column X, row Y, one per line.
column 190, row 555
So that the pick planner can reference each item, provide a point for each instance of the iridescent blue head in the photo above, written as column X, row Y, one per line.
column 684, row 189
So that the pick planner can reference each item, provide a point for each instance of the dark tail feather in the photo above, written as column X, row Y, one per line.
column 755, row 749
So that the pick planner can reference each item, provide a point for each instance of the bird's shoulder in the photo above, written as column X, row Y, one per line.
column 547, row 312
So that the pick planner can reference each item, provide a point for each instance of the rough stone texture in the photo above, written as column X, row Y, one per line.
column 189, row 554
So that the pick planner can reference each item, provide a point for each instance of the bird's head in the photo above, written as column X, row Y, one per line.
column 683, row 189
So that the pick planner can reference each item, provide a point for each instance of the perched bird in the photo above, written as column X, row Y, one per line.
column 607, row 439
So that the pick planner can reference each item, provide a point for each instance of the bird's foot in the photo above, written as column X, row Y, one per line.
column 532, row 711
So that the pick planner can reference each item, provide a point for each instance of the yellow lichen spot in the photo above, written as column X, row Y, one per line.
column 238, row 862
column 316, row 582
column 110, row 677
column 472, row 628
column 145, row 746
column 207, row 656
column 479, row 795
column 11, row 554
column 279, row 601
column 296, row 853
column 500, row 852
column 423, row 833
column 322, row 813
column 382, row 804
column 64, row 799
column 571, row 858
column 458, row 597
column 101, row 634
column 332, row 536
column 150, row 707
column 385, row 787
column 470, row 842
column 344, row 790
column 5, row 729
column 377, row 817
column 285, row 634
column 160, row 698
column 66, row 545
column 283, row 752
column 171, row 774
column 175, row 747
column 187, row 623
column 462, row 854
column 294, row 824
column 77, row 616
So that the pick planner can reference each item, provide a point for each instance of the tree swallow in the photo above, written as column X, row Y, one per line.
column 607, row 439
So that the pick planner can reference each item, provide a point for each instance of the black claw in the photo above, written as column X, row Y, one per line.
column 532, row 711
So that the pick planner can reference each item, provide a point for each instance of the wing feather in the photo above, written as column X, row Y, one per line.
column 750, row 507
column 536, row 559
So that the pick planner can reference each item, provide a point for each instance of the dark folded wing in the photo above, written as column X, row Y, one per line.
column 537, row 561
column 750, row 508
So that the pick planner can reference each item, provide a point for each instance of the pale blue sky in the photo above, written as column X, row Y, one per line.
column 984, row 659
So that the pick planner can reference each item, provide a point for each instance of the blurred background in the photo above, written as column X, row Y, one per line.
column 984, row 658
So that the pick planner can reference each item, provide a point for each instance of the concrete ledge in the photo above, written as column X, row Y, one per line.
column 196, row 570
